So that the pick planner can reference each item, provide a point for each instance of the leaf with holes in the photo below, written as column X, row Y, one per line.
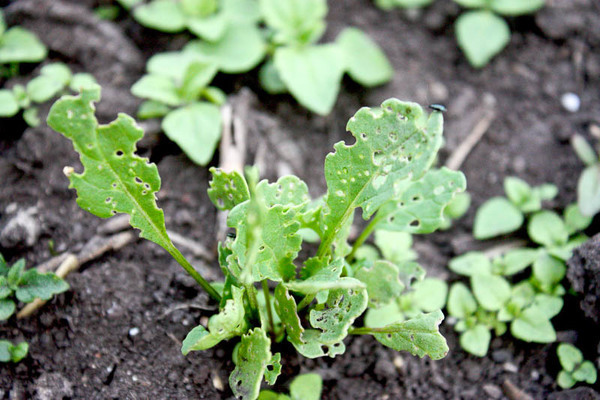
column 394, row 144
column 273, row 369
column 313, row 347
column 227, row 189
column 383, row 282
column 420, row 336
column 253, row 357
column 417, row 206
column 286, row 308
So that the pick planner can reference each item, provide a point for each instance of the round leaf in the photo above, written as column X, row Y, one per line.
column 8, row 103
column 430, row 294
column 490, row 291
column 547, row 229
column 157, row 88
column 569, row 356
column 306, row 387
column 461, row 302
column 20, row 45
column 162, row 15
column 476, row 340
column 481, row 35
column 471, row 263
column 531, row 326
column 496, row 216
column 43, row 88
column 516, row 7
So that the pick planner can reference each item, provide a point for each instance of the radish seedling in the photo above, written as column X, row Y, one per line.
column 574, row 367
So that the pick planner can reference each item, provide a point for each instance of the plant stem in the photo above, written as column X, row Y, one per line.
column 369, row 331
column 250, row 292
column 362, row 238
column 267, row 294
column 193, row 273
column 306, row 301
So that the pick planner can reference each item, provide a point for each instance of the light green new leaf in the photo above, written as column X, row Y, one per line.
column 565, row 380
column 521, row 194
column 394, row 143
column 312, row 74
column 273, row 369
column 7, row 308
column 285, row 306
column 586, row 373
column 43, row 88
column 306, row 387
column 8, row 103
column 476, row 340
column 210, row 28
column 269, row 78
column 471, row 263
column 31, row 116
column 547, row 305
column 114, row 180
column 461, row 302
column 57, row 71
column 574, row 220
column 195, row 79
column 481, row 35
column 532, row 326
column 395, row 246
column 152, row 109
column 229, row 322
column 5, row 289
column 366, row 63
column 420, row 336
column 162, row 15
column 173, row 64
column 547, row 229
column 15, row 273
column 295, row 21
column 253, row 357
column 240, row 49
column 157, row 88
column 34, row 285
column 496, row 216
column 548, row 271
column 430, row 294
column 383, row 282
column 227, row 189
column 490, row 291
column 516, row 7
column 386, row 315
column 588, row 191
column 196, row 128
column 19, row 352
column 472, row 3
column 20, row 45
column 515, row 261
column 82, row 81
column 418, row 206
column 584, row 150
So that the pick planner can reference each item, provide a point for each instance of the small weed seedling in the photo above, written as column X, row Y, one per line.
column 480, row 32
column 303, row 387
column 18, row 45
column 176, row 87
column 53, row 80
column 574, row 368
column 588, row 186
column 386, row 174
column 495, row 299
column 16, row 284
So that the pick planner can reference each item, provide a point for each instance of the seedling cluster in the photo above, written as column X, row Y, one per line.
column 574, row 367
column 18, row 45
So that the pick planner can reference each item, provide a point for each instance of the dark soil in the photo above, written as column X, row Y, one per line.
column 116, row 334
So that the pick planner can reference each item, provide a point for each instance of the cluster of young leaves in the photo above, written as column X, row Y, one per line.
column 18, row 45
column 177, row 88
column 25, row 286
column 11, row 353
column 386, row 173
column 53, row 80
column 481, row 32
column 574, row 367
column 499, row 293
column 588, row 186
column 303, row 387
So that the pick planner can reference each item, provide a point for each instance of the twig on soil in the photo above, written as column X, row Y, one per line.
column 460, row 154
column 174, row 338
column 184, row 307
column 513, row 392
column 97, row 246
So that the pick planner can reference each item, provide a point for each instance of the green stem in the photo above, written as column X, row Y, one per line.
column 362, row 238
column 250, row 292
column 193, row 273
column 267, row 294
column 306, row 301
column 369, row 331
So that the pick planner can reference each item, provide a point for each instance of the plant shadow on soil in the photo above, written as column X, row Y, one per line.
column 82, row 345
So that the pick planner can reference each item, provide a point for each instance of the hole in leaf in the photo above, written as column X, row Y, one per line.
column 119, row 153
column 389, row 335
column 138, row 179
column 416, row 198
column 108, row 200
column 114, row 185
column 393, row 136
column 378, row 157
column 147, row 186
column 415, row 223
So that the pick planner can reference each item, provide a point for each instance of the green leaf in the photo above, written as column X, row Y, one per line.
column 200, row 8
column 31, row 116
column 430, row 294
column 228, row 323
column 366, row 63
column 152, row 109
column 295, row 21
column 515, row 261
column 173, row 64
column 214, row 95
column 586, row 372
column 584, row 150
column 383, row 283
column 197, row 76
column 20, row 45
column 227, row 189
column 306, row 387
column 532, row 326
column 547, row 305
column 496, row 216
column 516, row 7
column 270, row 80
column 285, row 306
column 588, row 191
column 42, row 88
column 5, row 346
column 366, row 173
column 19, row 352
column 569, row 356
column 162, row 15
column 270, row 395
column 476, row 340
column 461, row 302
column 547, row 229
column 5, row 289
column 196, row 128
column 312, row 74
column 157, row 88
column 7, row 308
column 128, row 4
column 472, row 3
column 521, row 194
column 13, row 278
column 481, row 35
column 418, row 206
column 240, row 49
column 21, row 96
column 565, row 380
column 395, row 246
column 273, row 369
column 458, row 206
column 420, row 336
column 82, row 81
column 386, row 315
column 209, row 28
column 548, row 271
column 3, row 265
column 43, row 286
column 313, row 348
column 8, row 103
column 490, row 291
column 111, row 169
column 471, row 263
column 254, row 355
column 574, row 220
column 57, row 71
